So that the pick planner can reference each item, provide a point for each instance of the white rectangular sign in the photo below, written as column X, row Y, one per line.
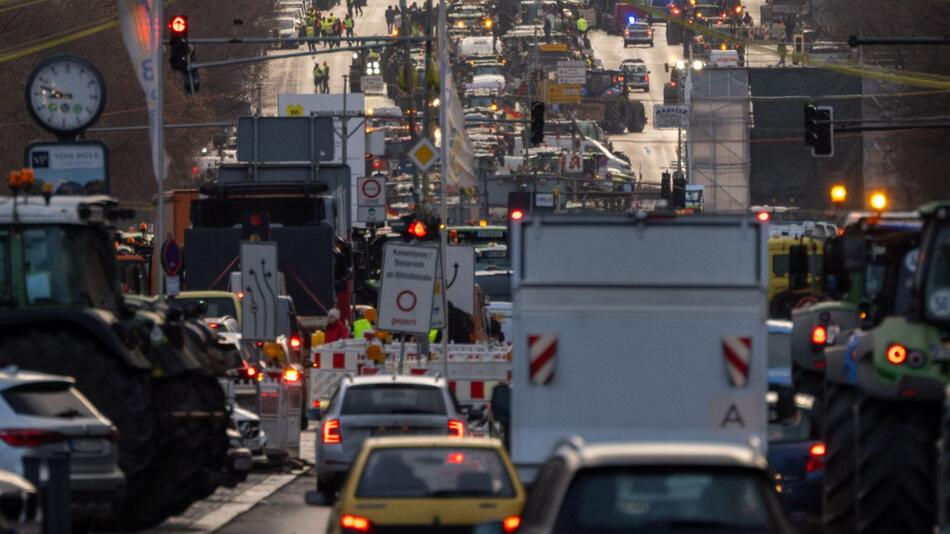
column 371, row 214
column 371, row 191
column 460, row 277
column 571, row 72
column 372, row 85
column 259, row 282
column 544, row 200
column 408, row 283
column 670, row 116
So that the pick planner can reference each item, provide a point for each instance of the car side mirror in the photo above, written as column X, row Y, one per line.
column 493, row 527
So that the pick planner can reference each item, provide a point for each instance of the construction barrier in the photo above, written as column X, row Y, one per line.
column 279, row 410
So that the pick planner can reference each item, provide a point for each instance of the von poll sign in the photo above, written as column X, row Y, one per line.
column 665, row 117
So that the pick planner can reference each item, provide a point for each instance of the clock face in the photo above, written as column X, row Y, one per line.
column 65, row 94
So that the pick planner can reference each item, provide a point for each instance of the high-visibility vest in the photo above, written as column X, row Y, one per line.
column 582, row 24
column 310, row 31
column 325, row 26
column 361, row 326
column 348, row 23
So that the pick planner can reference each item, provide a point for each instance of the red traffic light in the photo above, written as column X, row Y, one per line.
column 255, row 219
column 418, row 229
column 178, row 24
column 763, row 216
column 516, row 214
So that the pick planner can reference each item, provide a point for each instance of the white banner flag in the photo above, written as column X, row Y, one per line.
column 142, row 35
column 461, row 154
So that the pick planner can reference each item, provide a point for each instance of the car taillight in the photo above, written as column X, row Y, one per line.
column 214, row 326
column 456, row 428
column 30, row 437
column 896, row 354
column 295, row 342
column 646, row 77
column 816, row 458
column 626, row 33
column 291, row 375
column 649, row 32
column 819, row 335
column 249, row 372
column 511, row 523
column 331, row 431
column 355, row 523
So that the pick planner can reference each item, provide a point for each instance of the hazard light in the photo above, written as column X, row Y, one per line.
column 291, row 375
column 896, row 354
column 331, row 431
column 511, row 523
column 418, row 229
column 456, row 428
column 295, row 342
column 816, row 458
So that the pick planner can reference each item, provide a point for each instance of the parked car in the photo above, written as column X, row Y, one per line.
column 451, row 483
column 371, row 406
column 658, row 486
column 637, row 33
column 42, row 414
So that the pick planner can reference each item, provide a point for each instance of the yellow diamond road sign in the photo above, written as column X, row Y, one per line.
column 423, row 155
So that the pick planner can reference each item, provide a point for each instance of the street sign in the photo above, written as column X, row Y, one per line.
column 670, row 116
column 171, row 257
column 544, row 200
column 553, row 47
column 371, row 191
column 259, row 282
column 407, row 287
column 371, row 214
column 423, row 155
column 372, row 85
column 574, row 72
column 285, row 139
column 559, row 93
column 172, row 285
column 460, row 277
column 80, row 168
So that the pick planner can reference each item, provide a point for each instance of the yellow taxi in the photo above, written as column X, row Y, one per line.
column 429, row 483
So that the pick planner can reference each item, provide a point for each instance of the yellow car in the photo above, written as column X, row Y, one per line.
column 400, row 484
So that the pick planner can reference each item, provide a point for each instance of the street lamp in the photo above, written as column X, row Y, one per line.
column 839, row 194
column 878, row 201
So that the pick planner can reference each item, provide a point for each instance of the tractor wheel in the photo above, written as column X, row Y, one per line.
column 838, row 489
column 613, row 118
column 120, row 393
column 943, row 485
column 896, row 460
column 636, row 117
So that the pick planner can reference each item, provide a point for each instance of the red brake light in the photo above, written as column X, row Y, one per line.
column 517, row 215
column 291, row 375
column 896, row 354
column 511, row 523
column 214, row 326
column 455, row 458
column 816, row 458
column 456, row 428
column 331, row 431
column 295, row 342
column 249, row 372
column 646, row 77
column 819, row 335
column 673, row 83
column 113, row 434
column 356, row 523
column 30, row 437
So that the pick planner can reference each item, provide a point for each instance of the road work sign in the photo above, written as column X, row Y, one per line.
column 259, row 282
column 408, row 283
column 460, row 277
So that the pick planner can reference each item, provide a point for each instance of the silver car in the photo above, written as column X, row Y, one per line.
column 381, row 405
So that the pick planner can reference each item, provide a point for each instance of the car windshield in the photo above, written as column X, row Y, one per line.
column 496, row 286
column 645, row 500
column 634, row 67
column 638, row 27
column 491, row 259
column 379, row 399
column 488, row 70
column 801, row 427
column 47, row 399
column 435, row 472
column 217, row 306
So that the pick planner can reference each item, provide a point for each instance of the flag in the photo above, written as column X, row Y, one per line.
column 142, row 35
column 459, row 170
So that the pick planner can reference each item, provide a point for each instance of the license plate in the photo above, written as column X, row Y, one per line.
column 86, row 445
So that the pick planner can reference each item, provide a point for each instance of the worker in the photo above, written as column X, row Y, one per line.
column 365, row 323
column 348, row 25
column 326, row 77
column 317, row 77
column 326, row 26
column 782, row 52
column 582, row 25
column 747, row 19
column 390, row 19
column 372, row 56
column 335, row 329
column 311, row 33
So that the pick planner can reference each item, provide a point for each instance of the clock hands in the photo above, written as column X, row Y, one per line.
column 56, row 93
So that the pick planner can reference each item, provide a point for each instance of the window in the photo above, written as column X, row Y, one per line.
column 48, row 399
column 435, row 472
column 6, row 286
column 379, row 399
column 217, row 307
column 799, row 428
column 661, row 499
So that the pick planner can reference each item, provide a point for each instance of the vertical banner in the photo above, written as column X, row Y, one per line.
column 142, row 35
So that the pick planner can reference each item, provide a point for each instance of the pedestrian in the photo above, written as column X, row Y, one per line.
column 789, row 28
column 747, row 19
column 325, row 29
column 338, row 30
column 547, row 29
column 782, row 52
column 326, row 77
column 348, row 25
column 301, row 33
column 359, row 7
column 390, row 19
column 335, row 329
column 582, row 25
column 317, row 77
column 361, row 326
column 311, row 44
column 349, row 8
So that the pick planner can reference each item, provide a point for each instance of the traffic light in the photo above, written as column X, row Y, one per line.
column 819, row 130
column 419, row 228
column 179, row 52
column 679, row 191
column 537, row 123
column 519, row 205
column 255, row 226
column 665, row 186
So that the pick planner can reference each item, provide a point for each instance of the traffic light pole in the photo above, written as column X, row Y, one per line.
column 443, row 171
column 158, row 20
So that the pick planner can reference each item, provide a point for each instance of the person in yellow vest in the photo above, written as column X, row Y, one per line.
column 582, row 25
column 311, row 33
column 326, row 26
column 367, row 322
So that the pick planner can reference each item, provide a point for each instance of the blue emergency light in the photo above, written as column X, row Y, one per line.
column 631, row 19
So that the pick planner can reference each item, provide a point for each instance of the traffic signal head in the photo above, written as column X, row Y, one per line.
column 418, row 229
column 178, row 25
column 819, row 130
column 256, row 226
column 763, row 216
column 537, row 123
column 179, row 52
column 679, row 191
column 519, row 205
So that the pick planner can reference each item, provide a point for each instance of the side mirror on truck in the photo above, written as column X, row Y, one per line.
column 781, row 402
column 798, row 266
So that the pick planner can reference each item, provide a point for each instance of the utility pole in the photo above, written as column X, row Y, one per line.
column 158, row 20
column 443, row 172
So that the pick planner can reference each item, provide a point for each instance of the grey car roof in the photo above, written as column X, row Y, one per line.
column 662, row 453
column 397, row 379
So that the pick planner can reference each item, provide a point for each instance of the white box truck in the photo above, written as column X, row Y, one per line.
column 638, row 328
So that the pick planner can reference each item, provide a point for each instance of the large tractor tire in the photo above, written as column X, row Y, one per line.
column 896, row 456
column 839, row 493
column 613, row 118
column 121, row 393
column 636, row 117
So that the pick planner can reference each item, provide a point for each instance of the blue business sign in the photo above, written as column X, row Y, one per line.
column 80, row 168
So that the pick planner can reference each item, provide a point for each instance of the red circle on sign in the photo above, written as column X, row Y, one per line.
column 371, row 188
column 406, row 301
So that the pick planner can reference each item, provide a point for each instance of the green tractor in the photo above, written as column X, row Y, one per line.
column 607, row 97
column 148, row 368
